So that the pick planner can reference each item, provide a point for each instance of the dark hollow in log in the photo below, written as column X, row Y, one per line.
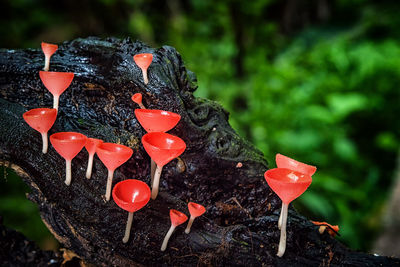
column 240, row 225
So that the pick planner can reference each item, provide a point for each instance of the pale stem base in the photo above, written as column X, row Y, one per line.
column 156, row 182
column 56, row 99
column 45, row 142
column 109, row 184
column 153, row 170
column 166, row 238
column 141, row 106
column 68, row 172
column 90, row 166
column 282, row 241
column 189, row 225
column 280, row 218
column 46, row 63
column 145, row 78
column 128, row 227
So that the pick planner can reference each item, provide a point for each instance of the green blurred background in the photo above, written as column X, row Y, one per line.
column 314, row 80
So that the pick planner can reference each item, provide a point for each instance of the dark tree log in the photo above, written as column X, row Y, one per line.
column 240, row 226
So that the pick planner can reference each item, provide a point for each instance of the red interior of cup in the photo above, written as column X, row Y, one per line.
column 195, row 209
column 177, row 217
column 137, row 98
column 113, row 155
column 41, row 119
column 163, row 147
column 143, row 60
column 286, row 183
column 291, row 164
column 49, row 49
column 92, row 144
column 56, row 82
column 131, row 195
column 154, row 120
column 68, row 144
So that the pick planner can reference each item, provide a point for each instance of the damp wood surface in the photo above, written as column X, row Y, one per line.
column 219, row 169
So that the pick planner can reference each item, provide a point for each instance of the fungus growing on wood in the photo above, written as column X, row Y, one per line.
column 131, row 195
column 195, row 211
column 137, row 98
column 56, row 83
column 177, row 218
column 112, row 155
column 143, row 61
column 288, row 185
column 41, row 119
column 91, row 145
column 162, row 148
column 333, row 230
column 48, row 50
column 68, row 145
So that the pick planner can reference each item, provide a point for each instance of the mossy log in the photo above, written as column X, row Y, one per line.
column 240, row 225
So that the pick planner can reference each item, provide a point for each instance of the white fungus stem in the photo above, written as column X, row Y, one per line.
column 189, row 225
column 55, row 101
column 156, row 183
column 45, row 142
column 109, row 184
column 128, row 227
column 146, row 80
column 141, row 106
column 46, row 63
column 282, row 241
column 280, row 218
column 90, row 166
column 166, row 238
column 68, row 172
column 153, row 170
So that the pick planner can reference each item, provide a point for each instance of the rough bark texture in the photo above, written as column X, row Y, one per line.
column 240, row 225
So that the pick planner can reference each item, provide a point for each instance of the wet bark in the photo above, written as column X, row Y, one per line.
column 240, row 225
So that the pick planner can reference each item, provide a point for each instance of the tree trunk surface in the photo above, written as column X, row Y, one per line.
column 240, row 225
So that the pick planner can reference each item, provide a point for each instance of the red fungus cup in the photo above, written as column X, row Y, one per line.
column 137, row 98
column 68, row 145
column 177, row 218
column 91, row 145
column 288, row 185
column 162, row 148
column 112, row 155
column 195, row 211
column 56, row 83
column 143, row 61
column 131, row 195
column 48, row 51
column 41, row 119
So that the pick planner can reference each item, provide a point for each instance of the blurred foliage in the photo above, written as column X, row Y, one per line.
column 313, row 80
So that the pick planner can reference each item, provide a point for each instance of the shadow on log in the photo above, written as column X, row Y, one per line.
column 240, row 225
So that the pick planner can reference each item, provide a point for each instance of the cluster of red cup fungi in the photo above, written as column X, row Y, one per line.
column 289, row 180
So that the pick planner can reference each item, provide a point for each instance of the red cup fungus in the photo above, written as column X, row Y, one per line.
column 41, row 119
column 48, row 51
column 143, row 61
column 68, row 145
column 56, row 83
column 131, row 195
column 177, row 218
column 112, row 155
column 137, row 98
column 195, row 211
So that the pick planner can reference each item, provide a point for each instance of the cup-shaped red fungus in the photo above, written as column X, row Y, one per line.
column 41, row 119
column 131, row 195
column 137, row 98
column 154, row 120
column 333, row 230
column 68, row 145
column 162, row 148
column 91, row 145
column 291, row 164
column 56, row 83
column 288, row 185
column 112, row 155
column 48, row 51
column 195, row 211
column 177, row 218
column 143, row 61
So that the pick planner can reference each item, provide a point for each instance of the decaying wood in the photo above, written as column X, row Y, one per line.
column 221, row 170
